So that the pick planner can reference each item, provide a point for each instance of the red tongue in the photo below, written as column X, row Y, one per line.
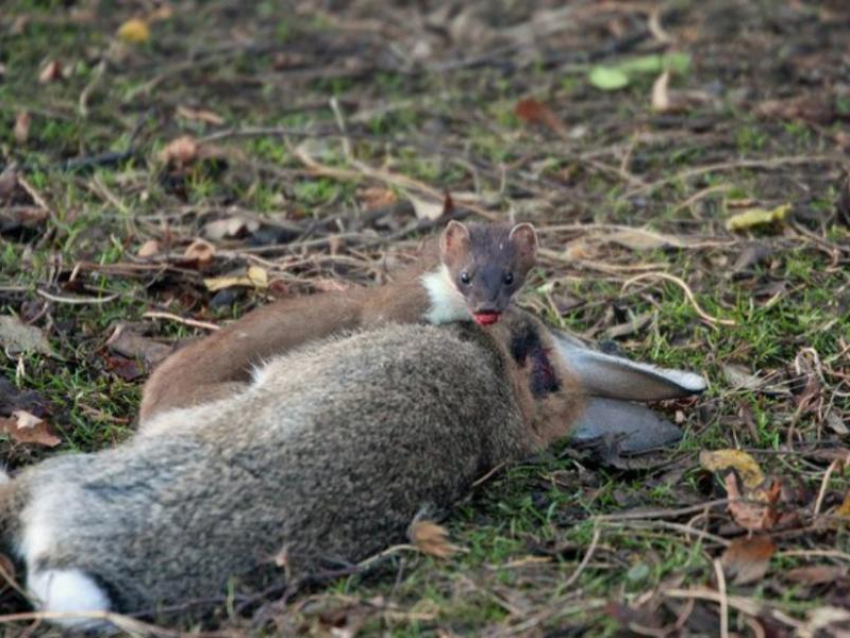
column 485, row 318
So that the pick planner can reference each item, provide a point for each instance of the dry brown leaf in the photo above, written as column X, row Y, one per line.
column 230, row 228
column 640, row 239
column 129, row 343
column 755, row 511
column 256, row 277
column 148, row 249
column 426, row 209
column 753, row 217
column 24, row 427
column 816, row 109
column 836, row 424
column 180, row 151
column 740, row 378
column 17, row 337
column 200, row 251
column 747, row 559
column 377, row 197
column 51, row 72
column 8, row 182
column 164, row 12
column 530, row 110
column 199, row 115
column 816, row 574
column 134, row 31
column 26, row 419
column 431, row 539
column 844, row 509
column 22, row 127
column 660, row 94
column 746, row 466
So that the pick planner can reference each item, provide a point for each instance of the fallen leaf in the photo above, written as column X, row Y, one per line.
column 824, row 621
column 740, row 378
column 636, row 324
column 816, row 574
column 428, row 210
column 24, row 427
column 8, row 182
column 26, row 419
column 611, row 78
column 124, row 368
column 17, row 337
column 756, row 511
column 22, row 127
column 256, row 277
column 51, row 72
column 654, row 63
column 431, row 539
column 753, row 254
column 536, row 112
column 230, row 228
column 134, row 31
column 129, row 342
column 815, row 109
column 199, row 115
column 377, row 197
column 148, row 249
column 21, row 217
column 640, row 239
column 844, row 509
column 608, row 78
column 660, row 95
column 747, row 559
column 180, row 151
column 162, row 13
column 12, row 399
column 836, row 424
column 757, row 217
column 200, row 251
column 746, row 466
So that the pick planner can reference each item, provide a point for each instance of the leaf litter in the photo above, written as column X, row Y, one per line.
column 496, row 105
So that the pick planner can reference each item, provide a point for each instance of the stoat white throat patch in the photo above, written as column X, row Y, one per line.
column 447, row 304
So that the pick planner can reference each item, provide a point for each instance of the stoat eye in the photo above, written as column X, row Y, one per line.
column 465, row 278
column 508, row 278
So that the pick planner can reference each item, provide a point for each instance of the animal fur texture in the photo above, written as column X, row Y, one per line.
column 324, row 460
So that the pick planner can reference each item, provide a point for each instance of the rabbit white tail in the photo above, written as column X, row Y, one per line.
column 72, row 592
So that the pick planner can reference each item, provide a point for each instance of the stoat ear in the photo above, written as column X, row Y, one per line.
column 524, row 238
column 454, row 241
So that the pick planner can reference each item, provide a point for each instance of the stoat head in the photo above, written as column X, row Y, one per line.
column 488, row 264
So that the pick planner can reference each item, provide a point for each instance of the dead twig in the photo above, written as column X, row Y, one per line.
column 688, row 293
column 775, row 162
column 194, row 323
column 597, row 533
column 77, row 301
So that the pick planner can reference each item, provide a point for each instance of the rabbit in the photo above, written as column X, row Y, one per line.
column 325, row 458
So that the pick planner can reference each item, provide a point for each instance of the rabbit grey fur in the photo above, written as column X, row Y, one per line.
column 327, row 456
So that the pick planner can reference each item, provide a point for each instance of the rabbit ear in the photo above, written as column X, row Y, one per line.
column 604, row 375
column 628, row 427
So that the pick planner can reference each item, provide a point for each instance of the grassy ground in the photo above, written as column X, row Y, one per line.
column 323, row 138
